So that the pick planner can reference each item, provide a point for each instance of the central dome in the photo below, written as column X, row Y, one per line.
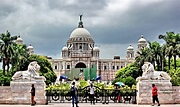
column 80, row 33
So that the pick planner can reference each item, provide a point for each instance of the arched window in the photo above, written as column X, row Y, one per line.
column 55, row 67
column 117, row 67
column 105, row 67
column 130, row 55
column 113, row 67
column 80, row 65
column 68, row 66
column 80, row 47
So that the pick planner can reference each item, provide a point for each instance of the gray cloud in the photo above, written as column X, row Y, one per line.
column 47, row 24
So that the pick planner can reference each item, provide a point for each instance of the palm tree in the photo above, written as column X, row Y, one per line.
column 163, row 55
column 141, row 58
column 172, row 41
column 168, row 37
column 155, row 48
column 7, row 52
column 169, row 52
column 175, row 44
column 150, row 56
column 19, row 58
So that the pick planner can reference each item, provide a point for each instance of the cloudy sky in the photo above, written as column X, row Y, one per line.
column 113, row 24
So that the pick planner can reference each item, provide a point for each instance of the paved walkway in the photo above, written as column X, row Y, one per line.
column 88, row 105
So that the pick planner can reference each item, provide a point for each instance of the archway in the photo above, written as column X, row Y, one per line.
column 80, row 65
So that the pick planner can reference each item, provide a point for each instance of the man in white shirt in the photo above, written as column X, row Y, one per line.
column 92, row 92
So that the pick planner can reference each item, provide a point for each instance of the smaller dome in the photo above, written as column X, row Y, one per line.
column 130, row 47
column 19, row 40
column 141, row 40
column 29, row 47
column 65, row 48
column 95, row 49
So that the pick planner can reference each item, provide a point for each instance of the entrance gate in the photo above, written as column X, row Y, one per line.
column 101, row 96
column 81, row 70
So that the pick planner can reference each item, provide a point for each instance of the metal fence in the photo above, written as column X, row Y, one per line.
column 104, row 96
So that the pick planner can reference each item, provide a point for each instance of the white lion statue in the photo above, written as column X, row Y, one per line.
column 30, row 74
column 150, row 74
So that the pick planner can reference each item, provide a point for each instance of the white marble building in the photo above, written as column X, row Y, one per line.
column 80, row 53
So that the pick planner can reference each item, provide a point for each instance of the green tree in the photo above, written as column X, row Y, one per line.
column 127, row 75
column 5, row 79
column 175, row 74
column 176, row 47
column 163, row 56
column 6, row 44
column 169, row 52
column 46, row 69
column 155, row 50
column 19, row 58
column 142, row 57
column 129, row 81
column 173, row 41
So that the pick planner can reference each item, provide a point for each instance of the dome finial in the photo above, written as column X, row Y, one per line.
column 80, row 16
column 80, row 23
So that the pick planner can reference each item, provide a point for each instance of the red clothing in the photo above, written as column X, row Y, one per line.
column 154, row 91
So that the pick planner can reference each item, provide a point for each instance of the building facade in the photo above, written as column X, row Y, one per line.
column 80, row 57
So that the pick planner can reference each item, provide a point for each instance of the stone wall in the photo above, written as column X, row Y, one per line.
column 5, row 96
column 167, row 94
column 19, row 93
column 176, row 94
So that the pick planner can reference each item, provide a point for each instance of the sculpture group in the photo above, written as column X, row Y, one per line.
column 30, row 74
column 150, row 74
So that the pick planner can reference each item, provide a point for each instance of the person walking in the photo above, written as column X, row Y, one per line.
column 117, row 96
column 155, row 95
column 91, row 93
column 33, row 102
column 74, row 94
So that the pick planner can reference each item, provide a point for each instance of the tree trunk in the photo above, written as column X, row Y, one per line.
column 160, row 61
column 162, row 64
column 175, row 62
column 169, row 62
column 4, row 66
column 3, row 69
column 8, row 67
column 153, row 63
column 7, row 63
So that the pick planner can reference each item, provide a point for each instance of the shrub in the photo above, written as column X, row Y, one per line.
column 5, row 79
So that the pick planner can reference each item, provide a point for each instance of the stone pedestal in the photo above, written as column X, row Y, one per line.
column 21, row 92
column 144, row 91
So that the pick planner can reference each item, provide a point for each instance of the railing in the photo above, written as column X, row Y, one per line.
column 101, row 96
